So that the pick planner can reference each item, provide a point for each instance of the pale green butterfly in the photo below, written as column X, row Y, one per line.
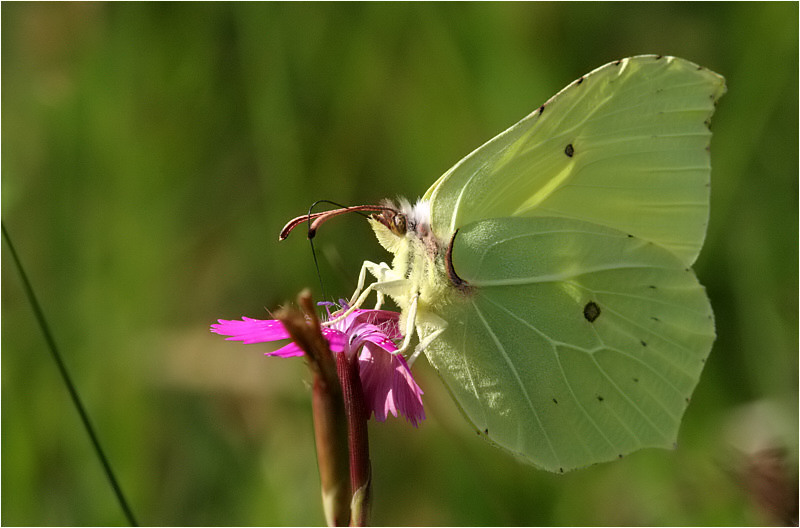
column 547, row 274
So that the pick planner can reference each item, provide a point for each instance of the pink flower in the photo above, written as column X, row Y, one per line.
column 386, row 378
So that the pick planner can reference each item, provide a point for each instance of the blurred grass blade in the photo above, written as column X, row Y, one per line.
column 62, row 369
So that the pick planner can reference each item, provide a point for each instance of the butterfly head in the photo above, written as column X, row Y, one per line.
column 397, row 222
column 404, row 217
column 391, row 219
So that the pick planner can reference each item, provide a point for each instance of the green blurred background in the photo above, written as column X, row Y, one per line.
column 151, row 152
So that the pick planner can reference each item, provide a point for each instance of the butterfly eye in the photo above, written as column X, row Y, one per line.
column 399, row 224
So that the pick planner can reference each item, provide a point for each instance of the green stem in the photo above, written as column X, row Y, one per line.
column 73, row 392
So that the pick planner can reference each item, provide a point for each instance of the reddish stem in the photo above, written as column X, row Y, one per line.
column 358, row 439
column 330, row 417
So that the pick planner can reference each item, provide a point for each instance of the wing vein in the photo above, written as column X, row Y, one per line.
column 470, row 376
column 554, row 343
column 562, row 277
column 502, row 351
column 632, row 403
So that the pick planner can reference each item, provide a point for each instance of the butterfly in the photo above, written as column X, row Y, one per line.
column 547, row 275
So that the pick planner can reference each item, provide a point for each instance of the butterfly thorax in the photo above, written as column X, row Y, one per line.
column 419, row 256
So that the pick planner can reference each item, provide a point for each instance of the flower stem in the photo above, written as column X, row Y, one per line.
column 358, row 439
column 330, row 421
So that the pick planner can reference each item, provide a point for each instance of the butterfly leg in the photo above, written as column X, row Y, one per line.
column 440, row 326
column 377, row 287
column 413, row 321
column 383, row 273
column 379, row 271
column 411, row 318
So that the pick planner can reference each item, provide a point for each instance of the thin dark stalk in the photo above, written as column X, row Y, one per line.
column 62, row 369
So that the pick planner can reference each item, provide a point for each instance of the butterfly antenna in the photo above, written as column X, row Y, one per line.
column 316, row 266
column 73, row 392
column 314, row 220
column 311, row 243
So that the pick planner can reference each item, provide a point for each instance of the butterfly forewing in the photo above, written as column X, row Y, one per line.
column 626, row 147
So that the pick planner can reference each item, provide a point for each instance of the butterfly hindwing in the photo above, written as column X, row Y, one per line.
column 574, row 343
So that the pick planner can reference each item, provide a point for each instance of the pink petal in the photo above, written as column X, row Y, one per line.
column 388, row 385
column 385, row 321
column 361, row 334
column 290, row 350
column 336, row 340
column 251, row 330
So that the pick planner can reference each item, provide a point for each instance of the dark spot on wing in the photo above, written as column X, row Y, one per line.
column 600, row 398
column 656, row 319
column 652, row 287
column 541, row 109
column 617, row 63
column 591, row 311
column 580, row 80
column 630, row 235
column 569, row 150
column 659, row 57
column 555, row 401
column 643, row 343
column 486, row 431
column 636, row 380
column 619, row 455
column 561, row 470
